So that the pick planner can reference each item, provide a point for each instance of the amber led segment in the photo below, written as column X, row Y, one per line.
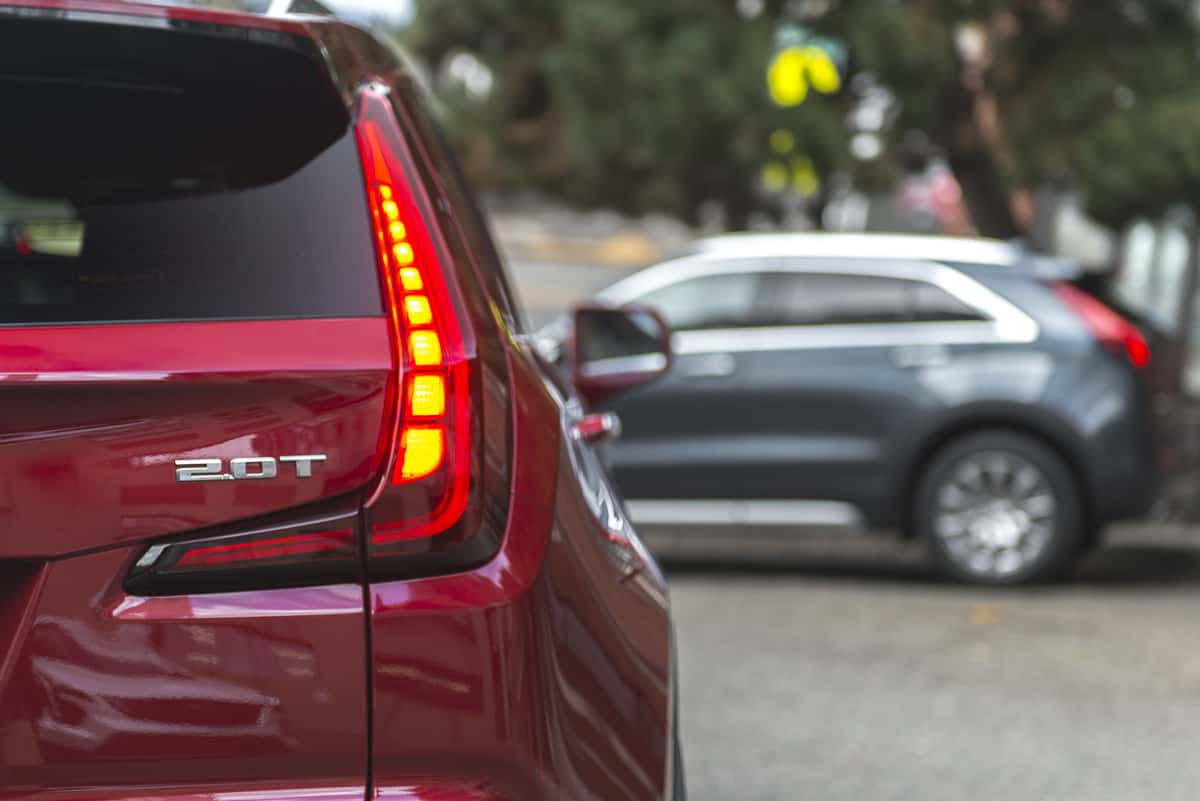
column 410, row 279
column 416, row 308
column 424, row 449
column 403, row 253
column 425, row 348
column 428, row 396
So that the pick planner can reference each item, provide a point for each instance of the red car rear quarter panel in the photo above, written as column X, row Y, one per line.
column 94, row 417
column 204, row 694
column 538, row 676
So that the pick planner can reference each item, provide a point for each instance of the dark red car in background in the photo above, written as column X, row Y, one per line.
column 288, row 507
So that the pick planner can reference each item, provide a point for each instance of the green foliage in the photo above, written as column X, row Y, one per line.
column 1104, row 93
column 640, row 106
column 663, row 105
column 1109, row 97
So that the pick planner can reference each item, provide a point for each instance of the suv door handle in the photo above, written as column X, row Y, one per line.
column 709, row 365
column 921, row 356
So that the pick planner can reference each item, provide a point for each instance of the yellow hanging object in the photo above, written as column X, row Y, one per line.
column 786, row 79
column 823, row 74
column 794, row 70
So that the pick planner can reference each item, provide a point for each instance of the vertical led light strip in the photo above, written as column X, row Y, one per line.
column 430, row 478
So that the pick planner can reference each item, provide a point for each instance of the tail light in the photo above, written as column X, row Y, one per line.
column 272, row 556
column 428, row 503
column 441, row 501
column 1109, row 328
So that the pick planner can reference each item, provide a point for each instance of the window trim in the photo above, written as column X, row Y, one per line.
column 820, row 337
column 1004, row 322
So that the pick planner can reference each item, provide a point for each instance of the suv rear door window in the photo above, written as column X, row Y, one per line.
column 803, row 298
column 932, row 304
column 827, row 299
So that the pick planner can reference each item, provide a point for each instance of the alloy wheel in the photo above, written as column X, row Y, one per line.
column 995, row 513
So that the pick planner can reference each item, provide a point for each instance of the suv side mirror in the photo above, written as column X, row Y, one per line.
column 614, row 349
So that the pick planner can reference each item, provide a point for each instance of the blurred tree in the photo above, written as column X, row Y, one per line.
column 663, row 105
column 624, row 103
column 1105, row 93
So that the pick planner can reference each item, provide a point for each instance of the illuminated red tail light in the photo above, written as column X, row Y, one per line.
column 322, row 552
column 440, row 502
column 259, row 551
column 423, row 501
column 1109, row 328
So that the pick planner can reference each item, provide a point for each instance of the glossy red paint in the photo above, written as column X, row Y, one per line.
column 214, row 693
column 546, row 673
column 94, row 417
column 263, row 791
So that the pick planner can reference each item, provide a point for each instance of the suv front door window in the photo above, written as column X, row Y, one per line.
column 706, row 302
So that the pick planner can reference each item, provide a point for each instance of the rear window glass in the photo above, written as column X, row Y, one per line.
column 199, row 178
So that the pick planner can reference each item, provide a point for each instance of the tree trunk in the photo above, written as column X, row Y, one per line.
column 739, row 205
column 975, row 167
column 984, row 193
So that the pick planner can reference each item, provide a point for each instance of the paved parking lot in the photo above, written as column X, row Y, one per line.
column 850, row 673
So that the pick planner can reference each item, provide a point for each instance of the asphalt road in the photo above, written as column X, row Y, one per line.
column 846, row 672
column 860, row 677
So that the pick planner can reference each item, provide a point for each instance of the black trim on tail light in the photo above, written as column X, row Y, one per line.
column 321, row 551
column 441, row 503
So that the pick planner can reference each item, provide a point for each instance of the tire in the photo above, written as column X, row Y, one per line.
column 1000, row 508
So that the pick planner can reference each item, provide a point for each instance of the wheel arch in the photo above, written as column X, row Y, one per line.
column 1044, row 428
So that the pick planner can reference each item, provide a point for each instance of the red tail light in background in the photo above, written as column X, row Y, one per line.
column 1110, row 329
column 429, row 475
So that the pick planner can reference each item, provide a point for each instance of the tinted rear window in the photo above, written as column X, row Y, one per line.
column 166, row 175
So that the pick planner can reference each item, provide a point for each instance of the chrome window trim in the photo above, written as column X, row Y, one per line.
column 816, row 337
column 1005, row 322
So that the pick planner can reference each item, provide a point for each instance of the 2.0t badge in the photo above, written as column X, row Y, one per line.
column 245, row 467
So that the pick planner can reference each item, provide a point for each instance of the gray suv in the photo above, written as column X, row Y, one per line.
column 952, row 389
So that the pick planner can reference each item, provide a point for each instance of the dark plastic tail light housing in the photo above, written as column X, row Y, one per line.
column 434, row 508
column 320, row 551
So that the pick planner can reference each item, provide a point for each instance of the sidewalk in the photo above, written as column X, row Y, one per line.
column 529, row 231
